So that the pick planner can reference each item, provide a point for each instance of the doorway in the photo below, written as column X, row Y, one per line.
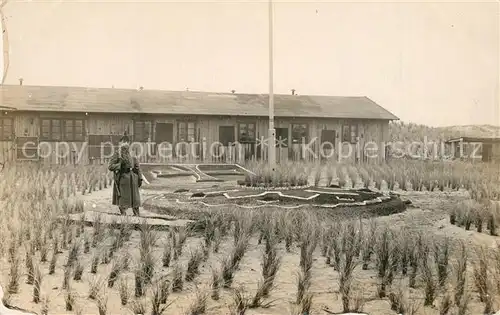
column 328, row 143
column 164, row 137
column 487, row 152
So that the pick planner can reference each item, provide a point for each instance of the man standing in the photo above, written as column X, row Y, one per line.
column 128, row 178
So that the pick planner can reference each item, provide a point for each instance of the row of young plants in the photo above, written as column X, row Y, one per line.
column 37, row 241
column 32, row 198
column 402, row 262
column 481, row 179
column 482, row 215
column 52, row 181
column 31, row 194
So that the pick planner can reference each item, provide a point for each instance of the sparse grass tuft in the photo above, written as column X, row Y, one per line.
column 303, row 285
column 387, row 257
column 102, row 303
column 159, row 298
column 216, row 282
column 96, row 284
column 69, row 299
column 240, row 301
column 78, row 272
column 193, row 265
column 484, row 280
column 38, row 277
column 167, row 253
column 441, row 258
column 430, row 281
column 138, row 306
column 178, row 279
column 198, row 304
column 460, row 275
column 124, row 291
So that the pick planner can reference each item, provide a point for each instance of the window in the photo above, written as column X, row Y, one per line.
column 51, row 130
column 246, row 133
column 299, row 133
column 142, row 131
column 349, row 133
column 62, row 130
column 6, row 129
column 73, row 130
column 186, row 131
column 282, row 137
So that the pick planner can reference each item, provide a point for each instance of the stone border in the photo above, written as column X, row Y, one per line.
column 76, row 219
column 197, row 210
column 270, row 204
column 351, row 204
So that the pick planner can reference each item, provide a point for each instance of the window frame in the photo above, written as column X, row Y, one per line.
column 185, row 130
column 3, row 136
column 293, row 139
column 286, row 141
column 350, row 134
column 75, row 137
column 249, row 138
column 63, row 136
column 143, row 130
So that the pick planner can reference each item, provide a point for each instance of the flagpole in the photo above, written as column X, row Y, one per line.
column 272, row 131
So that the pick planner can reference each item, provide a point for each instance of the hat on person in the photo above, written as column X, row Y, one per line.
column 125, row 138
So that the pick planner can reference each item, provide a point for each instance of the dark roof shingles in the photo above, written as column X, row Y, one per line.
column 108, row 100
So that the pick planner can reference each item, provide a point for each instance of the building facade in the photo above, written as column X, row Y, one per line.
column 71, row 125
column 475, row 148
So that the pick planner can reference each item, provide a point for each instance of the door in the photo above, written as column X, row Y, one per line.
column 164, row 137
column 487, row 152
column 186, row 134
column 226, row 135
column 164, row 133
column 327, row 143
column 226, row 139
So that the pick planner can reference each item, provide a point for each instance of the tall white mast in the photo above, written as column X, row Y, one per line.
column 272, row 131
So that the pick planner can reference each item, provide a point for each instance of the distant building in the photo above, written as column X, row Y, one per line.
column 86, row 118
column 476, row 148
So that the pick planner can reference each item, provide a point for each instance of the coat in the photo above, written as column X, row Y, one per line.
column 126, row 184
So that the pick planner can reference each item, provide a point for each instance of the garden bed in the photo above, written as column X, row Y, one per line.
column 217, row 167
column 192, row 205
column 170, row 175
column 269, row 183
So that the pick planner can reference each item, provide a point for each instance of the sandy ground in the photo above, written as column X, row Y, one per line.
column 426, row 215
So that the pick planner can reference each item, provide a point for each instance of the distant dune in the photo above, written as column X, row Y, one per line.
column 401, row 131
column 474, row 130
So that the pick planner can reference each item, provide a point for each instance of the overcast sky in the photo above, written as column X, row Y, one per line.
column 431, row 63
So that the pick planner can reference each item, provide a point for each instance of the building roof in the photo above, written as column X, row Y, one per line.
column 111, row 100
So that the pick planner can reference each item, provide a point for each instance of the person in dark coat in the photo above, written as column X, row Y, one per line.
column 127, row 178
